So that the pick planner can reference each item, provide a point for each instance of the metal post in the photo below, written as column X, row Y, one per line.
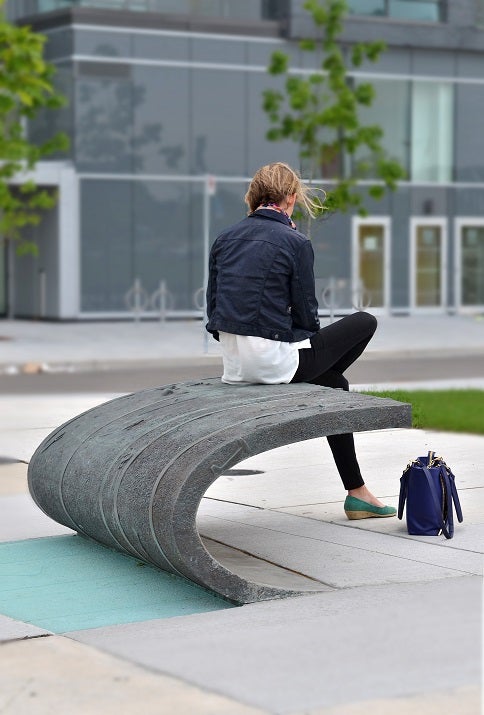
column 10, row 279
column 136, row 299
column 42, row 293
column 329, row 298
column 207, row 190
column 163, row 301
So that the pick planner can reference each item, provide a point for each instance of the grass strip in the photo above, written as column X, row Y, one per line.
column 447, row 410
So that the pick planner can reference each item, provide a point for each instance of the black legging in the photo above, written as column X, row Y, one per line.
column 333, row 349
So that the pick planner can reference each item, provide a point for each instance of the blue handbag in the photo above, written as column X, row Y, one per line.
column 427, row 485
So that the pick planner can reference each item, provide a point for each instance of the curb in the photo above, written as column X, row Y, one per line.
column 100, row 365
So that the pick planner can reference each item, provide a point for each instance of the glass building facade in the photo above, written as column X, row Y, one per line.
column 167, row 127
column 231, row 9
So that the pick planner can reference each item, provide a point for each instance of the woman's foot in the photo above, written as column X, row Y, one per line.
column 361, row 504
column 364, row 494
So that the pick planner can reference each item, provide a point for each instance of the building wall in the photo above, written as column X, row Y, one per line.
column 36, row 286
column 156, row 108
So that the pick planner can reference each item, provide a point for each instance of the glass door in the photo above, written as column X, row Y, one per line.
column 370, row 263
column 470, row 264
column 428, row 263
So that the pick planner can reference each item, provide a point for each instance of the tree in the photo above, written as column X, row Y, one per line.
column 319, row 112
column 25, row 89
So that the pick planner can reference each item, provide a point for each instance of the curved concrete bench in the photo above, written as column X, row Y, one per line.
column 131, row 472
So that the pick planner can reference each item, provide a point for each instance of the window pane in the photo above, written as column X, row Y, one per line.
column 48, row 122
column 473, row 265
column 48, row 5
column 248, row 10
column 168, row 239
column 480, row 13
column 371, row 264
column 106, row 260
column 219, row 130
column 414, row 10
column 367, row 7
column 432, row 131
column 420, row 10
column 428, row 266
column 227, row 206
column 469, row 109
column 104, row 117
column 389, row 111
column 145, row 230
column 161, row 117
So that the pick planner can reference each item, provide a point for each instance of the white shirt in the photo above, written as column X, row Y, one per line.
column 248, row 359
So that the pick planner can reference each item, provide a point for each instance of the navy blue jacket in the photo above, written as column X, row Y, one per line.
column 261, row 280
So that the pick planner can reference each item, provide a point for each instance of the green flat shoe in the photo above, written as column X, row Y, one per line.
column 359, row 509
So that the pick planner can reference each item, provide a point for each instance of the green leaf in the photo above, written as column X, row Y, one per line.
column 26, row 88
column 377, row 191
column 307, row 45
column 27, row 248
column 274, row 135
column 317, row 11
column 278, row 63
column 320, row 113
column 365, row 93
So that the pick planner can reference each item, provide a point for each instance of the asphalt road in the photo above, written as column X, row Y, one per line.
column 370, row 369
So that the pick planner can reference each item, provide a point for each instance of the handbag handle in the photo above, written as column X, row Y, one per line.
column 403, row 493
column 448, row 533
column 455, row 496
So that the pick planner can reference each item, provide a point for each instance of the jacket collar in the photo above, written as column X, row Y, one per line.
column 270, row 214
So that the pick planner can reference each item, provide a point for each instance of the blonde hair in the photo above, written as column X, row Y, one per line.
column 272, row 183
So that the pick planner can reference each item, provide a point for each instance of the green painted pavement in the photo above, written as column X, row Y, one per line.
column 68, row 583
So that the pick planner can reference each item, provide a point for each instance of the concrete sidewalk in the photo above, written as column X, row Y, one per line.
column 84, row 345
column 397, row 628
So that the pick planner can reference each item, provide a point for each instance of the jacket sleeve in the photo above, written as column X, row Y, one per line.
column 211, row 290
column 304, row 307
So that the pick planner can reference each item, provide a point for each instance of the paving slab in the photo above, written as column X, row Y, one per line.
column 21, row 519
column 13, row 478
column 468, row 536
column 58, row 675
column 25, row 420
column 260, row 570
column 317, row 651
column 460, row 701
column 69, row 582
column 305, row 473
column 335, row 555
column 12, row 629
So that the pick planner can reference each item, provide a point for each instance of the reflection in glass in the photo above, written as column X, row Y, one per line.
column 160, row 120
column 167, row 240
column 46, row 122
column 146, row 230
column 469, row 111
column 104, row 94
column 106, row 245
column 432, row 132
column 389, row 111
column 428, row 268
column 367, row 7
column 473, row 265
column 371, row 263
column 419, row 10
column 247, row 10
column 413, row 10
